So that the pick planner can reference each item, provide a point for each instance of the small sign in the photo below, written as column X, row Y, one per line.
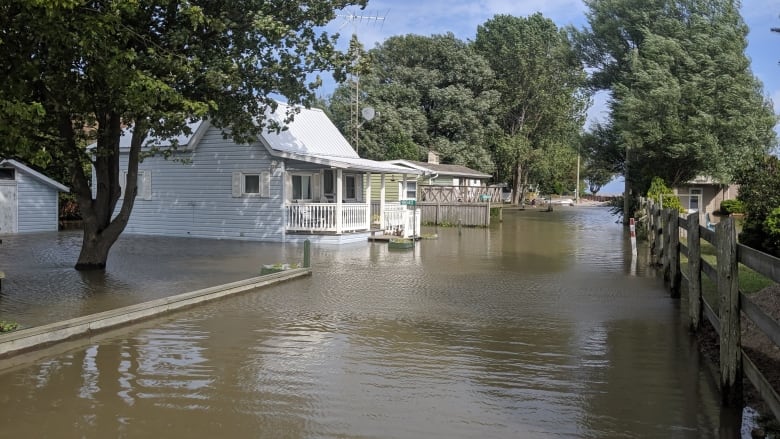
column 409, row 202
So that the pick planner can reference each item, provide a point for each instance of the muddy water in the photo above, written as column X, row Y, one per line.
column 536, row 328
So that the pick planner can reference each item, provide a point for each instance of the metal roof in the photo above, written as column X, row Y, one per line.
column 455, row 170
column 28, row 170
column 310, row 132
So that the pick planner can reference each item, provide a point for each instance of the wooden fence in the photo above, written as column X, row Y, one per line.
column 465, row 214
column 459, row 194
column 666, row 248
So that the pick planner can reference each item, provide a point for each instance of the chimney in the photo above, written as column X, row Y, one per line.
column 433, row 158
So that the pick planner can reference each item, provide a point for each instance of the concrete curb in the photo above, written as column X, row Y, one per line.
column 42, row 336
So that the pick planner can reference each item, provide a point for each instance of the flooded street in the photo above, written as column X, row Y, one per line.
column 535, row 328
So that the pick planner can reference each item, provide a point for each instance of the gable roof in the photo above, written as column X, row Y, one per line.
column 311, row 137
column 451, row 170
column 35, row 174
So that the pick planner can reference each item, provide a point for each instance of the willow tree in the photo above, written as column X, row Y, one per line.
column 684, row 101
column 542, row 105
column 75, row 68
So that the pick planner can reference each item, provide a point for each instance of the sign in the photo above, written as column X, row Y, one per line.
column 409, row 202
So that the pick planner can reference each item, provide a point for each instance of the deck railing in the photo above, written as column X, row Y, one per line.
column 322, row 217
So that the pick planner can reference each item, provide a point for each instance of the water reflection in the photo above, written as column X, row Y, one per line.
column 533, row 328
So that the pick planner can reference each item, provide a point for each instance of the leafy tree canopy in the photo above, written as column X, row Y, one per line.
column 74, row 68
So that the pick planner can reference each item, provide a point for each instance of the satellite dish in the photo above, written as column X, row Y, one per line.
column 368, row 113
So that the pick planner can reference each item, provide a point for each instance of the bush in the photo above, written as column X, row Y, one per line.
column 772, row 231
column 662, row 195
column 727, row 207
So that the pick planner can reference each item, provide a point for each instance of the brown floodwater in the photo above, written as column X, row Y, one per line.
column 538, row 327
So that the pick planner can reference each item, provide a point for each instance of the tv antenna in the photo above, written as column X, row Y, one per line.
column 355, row 112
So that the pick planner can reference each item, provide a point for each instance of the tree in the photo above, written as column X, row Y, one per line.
column 684, row 102
column 542, row 103
column 73, row 68
column 759, row 190
column 432, row 93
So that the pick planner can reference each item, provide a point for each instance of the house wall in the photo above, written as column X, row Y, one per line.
column 712, row 195
column 391, row 187
column 195, row 197
column 37, row 205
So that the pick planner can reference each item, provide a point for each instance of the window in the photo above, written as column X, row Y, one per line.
column 693, row 202
column 143, row 184
column 410, row 192
column 301, row 187
column 350, row 189
column 327, row 183
column 251, row 184
column 7, row 173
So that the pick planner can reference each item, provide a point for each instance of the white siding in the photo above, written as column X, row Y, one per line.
column 195, row 197
column 37, row 205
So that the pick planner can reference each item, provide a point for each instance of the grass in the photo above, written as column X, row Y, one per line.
column 749, row 281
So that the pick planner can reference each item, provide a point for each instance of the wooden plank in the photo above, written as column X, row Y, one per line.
column 766, row 323
column 684, row 250
column 707, row 234
column 765, row 390
column 730, row 328
column 711, row 316
column 694, row 271
column 709, row 270
column 763, row 263
column 674, row 253
column 666, row 251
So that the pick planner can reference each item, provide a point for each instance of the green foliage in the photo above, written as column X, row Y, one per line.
column 664, row 196
column 772, row 231
column 8, row 326
column 684, row 101
column 80, row 70
column 727, row 207
column 432, row 94
column 759, row 191
column 543, row 102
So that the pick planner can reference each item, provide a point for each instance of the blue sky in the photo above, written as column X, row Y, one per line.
column 461, row 17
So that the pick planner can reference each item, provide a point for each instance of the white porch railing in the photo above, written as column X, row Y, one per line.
column 322, row 217
column 394, row 216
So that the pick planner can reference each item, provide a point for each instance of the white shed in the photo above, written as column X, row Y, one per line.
column 29, row 200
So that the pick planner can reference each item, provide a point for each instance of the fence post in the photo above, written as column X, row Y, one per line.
column 665, row 229
column 730, row 331
column 694, row 270
column 307, row 254
column 657, row 240
column 675, row 277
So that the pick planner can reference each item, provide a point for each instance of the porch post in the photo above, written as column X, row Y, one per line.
column 339, row 200
column 368, row 199
column 382, row 224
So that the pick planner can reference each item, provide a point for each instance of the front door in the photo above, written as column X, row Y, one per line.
column 8, row 208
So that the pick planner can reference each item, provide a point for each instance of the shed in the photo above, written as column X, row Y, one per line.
column 29, row 200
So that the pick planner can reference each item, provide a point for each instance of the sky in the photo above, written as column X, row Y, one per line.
column 461, row 17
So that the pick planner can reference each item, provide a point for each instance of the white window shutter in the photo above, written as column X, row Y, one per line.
column 147, row 179
column 359, row 187
column 265, row 184
column 236, row 184
column 288, row 190
column 316, row 193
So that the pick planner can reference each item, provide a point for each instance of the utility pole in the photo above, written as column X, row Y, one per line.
column 354, row 75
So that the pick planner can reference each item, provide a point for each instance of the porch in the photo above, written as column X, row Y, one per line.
column 344, row 218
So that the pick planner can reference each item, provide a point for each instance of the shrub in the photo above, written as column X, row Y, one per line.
column 772, row 231
column 663, row 195
column 727, row 207
column 8, row 326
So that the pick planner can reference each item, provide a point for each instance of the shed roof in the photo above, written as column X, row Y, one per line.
column 35, row 174
column 453, row 170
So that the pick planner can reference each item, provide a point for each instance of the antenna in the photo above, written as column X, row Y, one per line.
column 354, row 76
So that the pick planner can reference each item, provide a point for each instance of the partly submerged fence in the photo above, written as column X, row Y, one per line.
column 465, row 214
column 666, row 248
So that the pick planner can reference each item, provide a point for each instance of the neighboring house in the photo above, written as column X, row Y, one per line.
column 29, row 200
column 306, row 182
column 703, row 194
column 432, row 173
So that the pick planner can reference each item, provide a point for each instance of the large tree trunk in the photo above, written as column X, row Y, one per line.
column 101, row 227
column 517, row 194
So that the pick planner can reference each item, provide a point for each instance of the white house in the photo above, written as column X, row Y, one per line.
column 305, row 182
column 29, row 200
